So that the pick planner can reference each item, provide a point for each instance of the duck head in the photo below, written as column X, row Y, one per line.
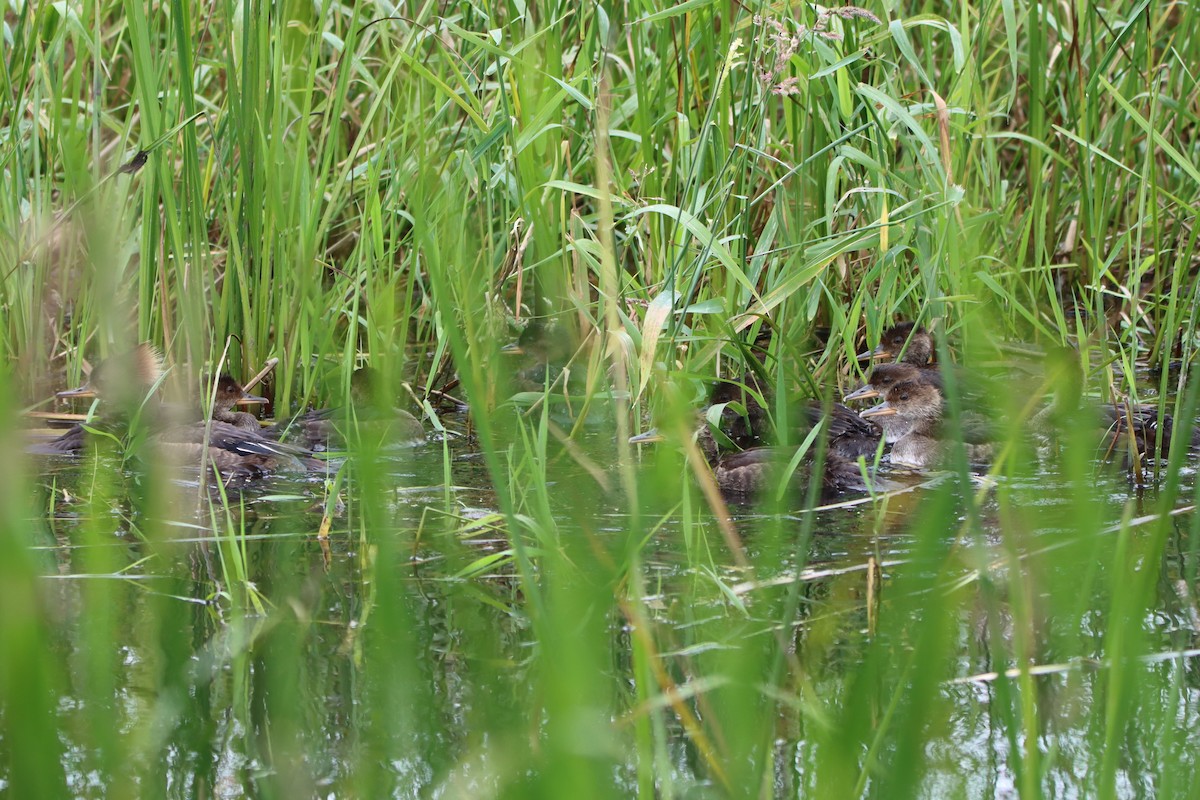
column 884, row 376
column 904, row 341
column 123, row 379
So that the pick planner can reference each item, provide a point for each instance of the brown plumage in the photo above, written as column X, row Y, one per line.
column 236, row 452
column 919, row 409
column 904, row 341
column 744, row 475
column 123, row 382
column 324, row 428
column 882, row 378
column 229, row 393
column 885, row 376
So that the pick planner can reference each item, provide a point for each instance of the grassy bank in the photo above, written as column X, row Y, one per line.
column 663, row 186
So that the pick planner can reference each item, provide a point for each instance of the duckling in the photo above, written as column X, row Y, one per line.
column 123, row 381
column 126, row 382
column 1142, row 423
column 322, row 429
column 884, row 376
column 754, row 427
column 919, row 407
column 847, row 434
column 743, row 475
column 230, row 393
column 235, row 452
column 1122, row 422
column 747, row 474
column 904, row 341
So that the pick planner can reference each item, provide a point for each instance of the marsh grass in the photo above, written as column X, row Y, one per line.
column 663, row 185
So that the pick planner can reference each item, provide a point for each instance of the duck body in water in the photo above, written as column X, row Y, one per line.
column 327, row 428
column 235, row 450
column 919, row 409
column 749, row 474
column 1122, row 428
column 124, row 381
column 847, row 435
column 1143, row 423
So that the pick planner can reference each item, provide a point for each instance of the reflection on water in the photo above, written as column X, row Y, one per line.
column 202, row 624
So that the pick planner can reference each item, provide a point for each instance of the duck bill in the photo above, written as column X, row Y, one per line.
column 513, row 349
column 248, row 399
column 878, row 353
column 881, row 410
column 83, row 391
column 649, row 437
column 864, row 392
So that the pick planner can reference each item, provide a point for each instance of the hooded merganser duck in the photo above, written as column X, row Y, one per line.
column 847, row 434
column 126, row 383
column 543, row 351
column 919, row 407
column 915, row 364
column 1122, row 424
column 235, row 452
column 744, row 416
column 324, row 428
column 882, row 378
column 1140, row 422
column 904, row 341
column 747, row 474
column 743, row 475
column 229, row 393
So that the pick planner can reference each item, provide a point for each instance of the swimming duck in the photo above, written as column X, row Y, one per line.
column 1141, row 423
column 884, row 376
column 751, row 428
column 918, row 406
column 235, row 452
column 125, row 382
column 229, row 393
column 847, row 434
column 743, row 475
column 973, row 388
column 325, row 428
column 880, row 381
column 747, row 474
column 1122, row 423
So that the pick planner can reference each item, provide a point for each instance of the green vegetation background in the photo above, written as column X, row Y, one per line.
column 664, row 182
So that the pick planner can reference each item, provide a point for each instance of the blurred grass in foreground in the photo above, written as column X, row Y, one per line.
column 527, row 609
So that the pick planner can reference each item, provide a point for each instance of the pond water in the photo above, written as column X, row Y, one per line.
column 380, row 639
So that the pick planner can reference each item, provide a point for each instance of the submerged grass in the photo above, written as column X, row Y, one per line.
column 674, row 193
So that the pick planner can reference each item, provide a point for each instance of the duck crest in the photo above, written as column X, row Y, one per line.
column 147, row 364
